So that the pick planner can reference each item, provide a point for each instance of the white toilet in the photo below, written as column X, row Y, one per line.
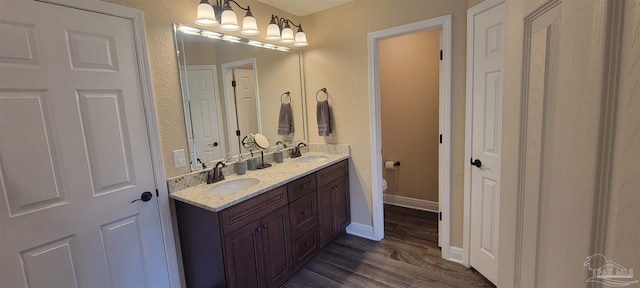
column 384, row 185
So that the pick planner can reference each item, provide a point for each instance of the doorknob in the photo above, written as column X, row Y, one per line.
column 476, row 162
column 214, row 144
column 146, row 196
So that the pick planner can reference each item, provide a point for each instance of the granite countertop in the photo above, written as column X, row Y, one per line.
column 275, row 176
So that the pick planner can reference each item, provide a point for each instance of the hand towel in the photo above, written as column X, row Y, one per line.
column 324, row 118
column 285, row 120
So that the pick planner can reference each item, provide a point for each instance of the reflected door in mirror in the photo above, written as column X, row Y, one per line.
column 206, row 134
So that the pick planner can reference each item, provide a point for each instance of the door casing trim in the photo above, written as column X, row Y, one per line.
column 444, row 163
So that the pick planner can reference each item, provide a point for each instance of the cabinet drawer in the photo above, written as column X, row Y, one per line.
column 301, row 187
column 303, row 213
column 253, row 209
column 332, row 173
column 305, row 246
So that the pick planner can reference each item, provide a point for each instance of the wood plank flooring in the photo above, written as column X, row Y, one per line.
column 408, row 256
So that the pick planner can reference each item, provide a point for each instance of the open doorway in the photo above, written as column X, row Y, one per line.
column 442, row 27
column 409, row 69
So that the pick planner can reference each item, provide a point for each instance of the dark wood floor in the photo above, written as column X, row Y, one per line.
column 408, row 256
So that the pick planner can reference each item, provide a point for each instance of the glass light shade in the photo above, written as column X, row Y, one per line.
column 287, row 36
column 273, row 32
column 249, row 26
column 229, row 21
column 205, row 15
column 301, row 39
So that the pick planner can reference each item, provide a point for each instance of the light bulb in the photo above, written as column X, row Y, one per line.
column 205, row 15
column 301, row 39
column 249, row 25
column 287, row 35
column 229, row 21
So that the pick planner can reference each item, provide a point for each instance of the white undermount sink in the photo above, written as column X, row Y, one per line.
column 235, row 185
column 312, row 158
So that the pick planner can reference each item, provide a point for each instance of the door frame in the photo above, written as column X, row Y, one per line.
column 137, row 22
column 444, row 151
column 466, row 230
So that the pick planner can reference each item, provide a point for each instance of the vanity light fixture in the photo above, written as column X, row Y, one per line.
column 208, row 15
column 280, row 29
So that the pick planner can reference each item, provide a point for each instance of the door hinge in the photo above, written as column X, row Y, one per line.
column 233, row 83
column 440, row 138
column 441, row 55
column 440, row 217
column 157, row 193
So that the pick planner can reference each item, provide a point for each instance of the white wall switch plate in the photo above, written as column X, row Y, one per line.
column 179, row 159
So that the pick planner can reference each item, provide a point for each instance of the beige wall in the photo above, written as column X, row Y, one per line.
column 158, row 17
column 409, row 91
column 337, row 59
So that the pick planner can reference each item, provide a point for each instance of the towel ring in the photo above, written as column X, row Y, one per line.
column 325, row 93
column 282, row 99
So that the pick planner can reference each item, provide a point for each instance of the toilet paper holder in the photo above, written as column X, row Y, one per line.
column 397, row 163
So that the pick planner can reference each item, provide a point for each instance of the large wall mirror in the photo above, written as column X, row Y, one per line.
column 230, row 85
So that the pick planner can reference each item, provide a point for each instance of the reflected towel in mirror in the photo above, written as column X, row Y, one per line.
column 285, row 120
column 324, row 118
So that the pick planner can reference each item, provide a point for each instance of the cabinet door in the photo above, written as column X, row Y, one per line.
column 334, row 209
column 243, row 256
column 325, row 216
column 278, row 264
column 341, row 204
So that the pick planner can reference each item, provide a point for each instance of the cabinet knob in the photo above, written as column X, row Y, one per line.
column 264, row 226
column 307, row 245
column 305, row 213
column 259, row 229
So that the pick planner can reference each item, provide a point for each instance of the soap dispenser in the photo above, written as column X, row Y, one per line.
column 241, row 166
column 277, row 156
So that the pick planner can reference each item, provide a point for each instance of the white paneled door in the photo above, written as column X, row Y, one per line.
column 247, row 111
column 204, row 113
column 488, row 55
column 74, row 153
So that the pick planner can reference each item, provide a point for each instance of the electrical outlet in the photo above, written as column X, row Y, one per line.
column 179, row 159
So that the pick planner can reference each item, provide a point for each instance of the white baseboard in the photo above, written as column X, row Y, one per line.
column 455, row 254
column 360, row 230
column 412, row 203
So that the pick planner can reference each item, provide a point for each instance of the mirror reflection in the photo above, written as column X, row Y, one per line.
column 231, row 89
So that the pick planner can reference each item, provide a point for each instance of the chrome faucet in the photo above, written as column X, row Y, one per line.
column 215, row 175
column 296, row 151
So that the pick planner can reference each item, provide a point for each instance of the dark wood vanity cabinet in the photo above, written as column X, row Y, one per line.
column 263, row 241
column 258, row 254
column 334, row 208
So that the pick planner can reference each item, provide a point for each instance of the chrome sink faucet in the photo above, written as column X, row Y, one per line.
column 296, row 151
column 215, row 175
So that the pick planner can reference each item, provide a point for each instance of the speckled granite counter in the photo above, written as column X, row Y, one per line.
column 272, row 177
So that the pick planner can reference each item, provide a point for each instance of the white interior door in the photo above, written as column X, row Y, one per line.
column 205, row 118
column 246, row 89
column 246, row 111
column 488, row 55
column 74, row 153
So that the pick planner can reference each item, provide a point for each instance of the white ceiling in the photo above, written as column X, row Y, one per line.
column 304, row 7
